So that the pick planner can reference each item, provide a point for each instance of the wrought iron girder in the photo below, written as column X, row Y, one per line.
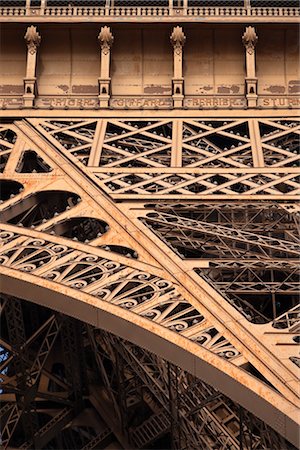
column 287, row 265
column 262, row 242
column 54, row 327
column 199, row 161
column 100, row 441
column 128, row 225
column 29, row 378
column 71, row 336
column 255, row 287
column 100, row 355
column 46, row 433
column 157, row 382
column 217, row 348
column 189, row 395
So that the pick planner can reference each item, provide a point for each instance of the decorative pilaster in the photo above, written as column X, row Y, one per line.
column 33, row 40
column 43, row 6
column 177, row 40
column 28, row 6
column 106, row 40
column 249, row 40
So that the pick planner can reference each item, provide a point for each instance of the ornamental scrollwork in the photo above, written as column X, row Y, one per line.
column 6, row 236
column 213, row 340
column 175, row 313
column 33, row 39
column 33, row 254
column 177, row 39
column 106, row 39
column 135, row 289
column 144, row 293
column 83, row 271
column 250, row 39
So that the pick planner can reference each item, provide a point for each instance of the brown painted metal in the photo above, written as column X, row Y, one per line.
column 149, row 189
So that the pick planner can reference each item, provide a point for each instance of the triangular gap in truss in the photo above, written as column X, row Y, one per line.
column 289, row 123
column 223, row 142
column 207, row 154
column 23, row 157
column 238, row 128
column 76, row 136
column 8, row 139
column 269, row 128
column 282, row 149
column 31, row 162
column 130, row 157
column 198, row 127
column 282, row 157
column 157, row 128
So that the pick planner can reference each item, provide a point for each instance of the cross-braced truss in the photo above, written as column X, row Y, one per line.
column 210, row 286
column 184, row 158
column 251, row 248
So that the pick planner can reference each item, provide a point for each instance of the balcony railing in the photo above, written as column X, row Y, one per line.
column 150, row 8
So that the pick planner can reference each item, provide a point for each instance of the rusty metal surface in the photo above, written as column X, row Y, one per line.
column 149, row 227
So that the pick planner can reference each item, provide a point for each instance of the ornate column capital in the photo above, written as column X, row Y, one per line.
column 250, row 39
column 106, row 39
column 177, row 38
column 33, row 39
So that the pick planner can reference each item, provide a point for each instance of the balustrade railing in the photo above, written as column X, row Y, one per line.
column 150, row 8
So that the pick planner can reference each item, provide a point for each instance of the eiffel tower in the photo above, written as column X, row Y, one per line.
column 149, row 224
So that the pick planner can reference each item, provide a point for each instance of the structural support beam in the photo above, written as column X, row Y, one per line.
column 177, row 40
column 249, row 40
column 106, row 40
column 33, row 40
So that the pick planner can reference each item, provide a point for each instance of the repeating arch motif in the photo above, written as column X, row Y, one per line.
column 146, row 294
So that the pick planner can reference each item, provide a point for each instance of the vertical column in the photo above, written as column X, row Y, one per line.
column 106, row 40
column 33, row 40
column 249, row 40
column 43, row 6
column 177, row 39
column 28, row 6
column 176, row 158
column 256, row 146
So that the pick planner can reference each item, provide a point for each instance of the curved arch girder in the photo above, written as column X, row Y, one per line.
column 139, row 305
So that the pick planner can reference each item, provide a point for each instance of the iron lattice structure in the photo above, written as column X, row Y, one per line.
column 148, row 402
column 159, row 261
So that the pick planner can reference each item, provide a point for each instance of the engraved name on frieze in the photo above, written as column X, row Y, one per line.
column 67, row 102
column 156, row 102
column 141, row 102
column 283, row 102
column 214, row 101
